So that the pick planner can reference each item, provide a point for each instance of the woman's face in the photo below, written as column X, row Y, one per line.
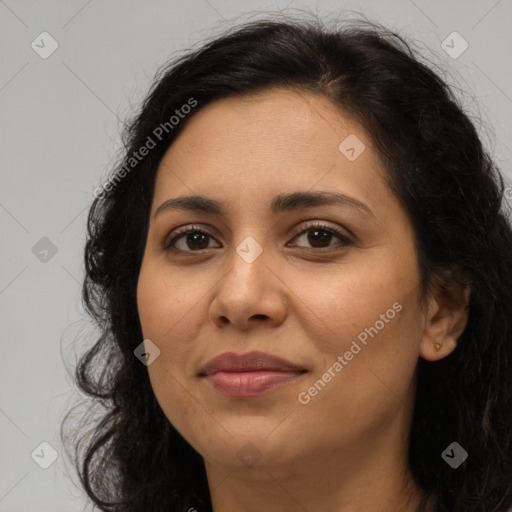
column 342, row 310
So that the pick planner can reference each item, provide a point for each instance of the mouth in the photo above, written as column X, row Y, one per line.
column 251, row 374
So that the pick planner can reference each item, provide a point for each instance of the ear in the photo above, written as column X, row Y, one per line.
column 446, row 319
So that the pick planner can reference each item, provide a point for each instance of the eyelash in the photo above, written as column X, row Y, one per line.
column 167, row 244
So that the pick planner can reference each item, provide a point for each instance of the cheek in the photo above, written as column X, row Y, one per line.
column 189, row 414
column 370, row 318
column 334, row 307
column 169, row 306
column 171, row 314
column 372, row 382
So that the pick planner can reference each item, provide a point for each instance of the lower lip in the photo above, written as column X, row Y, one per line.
column 242, row 384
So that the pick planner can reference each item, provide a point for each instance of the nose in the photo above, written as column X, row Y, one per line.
column 251, row 291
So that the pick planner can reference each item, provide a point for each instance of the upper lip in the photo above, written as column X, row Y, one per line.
column 252, row 361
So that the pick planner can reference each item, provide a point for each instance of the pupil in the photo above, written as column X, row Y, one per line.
column 195, row 238
column 313, row 240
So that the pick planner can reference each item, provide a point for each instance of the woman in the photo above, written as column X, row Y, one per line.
column 303, row 276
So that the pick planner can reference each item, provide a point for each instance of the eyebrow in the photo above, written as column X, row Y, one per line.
column 280, row 203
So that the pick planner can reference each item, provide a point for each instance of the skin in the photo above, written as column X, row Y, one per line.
column 346, row 449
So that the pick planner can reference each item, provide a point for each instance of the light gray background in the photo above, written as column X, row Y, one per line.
column 59, row 133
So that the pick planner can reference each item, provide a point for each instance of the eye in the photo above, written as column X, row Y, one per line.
column 318, row 235
column 194, row 239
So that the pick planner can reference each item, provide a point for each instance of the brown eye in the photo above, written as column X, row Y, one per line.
column 320, row 236
column 191, row 240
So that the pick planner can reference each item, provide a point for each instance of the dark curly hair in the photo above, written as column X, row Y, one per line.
column 132, row 458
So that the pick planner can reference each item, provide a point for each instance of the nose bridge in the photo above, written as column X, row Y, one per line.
column 251, row 248
column 249, row 259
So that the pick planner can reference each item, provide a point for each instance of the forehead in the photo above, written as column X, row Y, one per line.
column 268, row 143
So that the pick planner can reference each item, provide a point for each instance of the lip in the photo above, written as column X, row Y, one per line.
column 250, row 362
column 251, row 374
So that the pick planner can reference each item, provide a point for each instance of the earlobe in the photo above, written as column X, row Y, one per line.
column 437, row 350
